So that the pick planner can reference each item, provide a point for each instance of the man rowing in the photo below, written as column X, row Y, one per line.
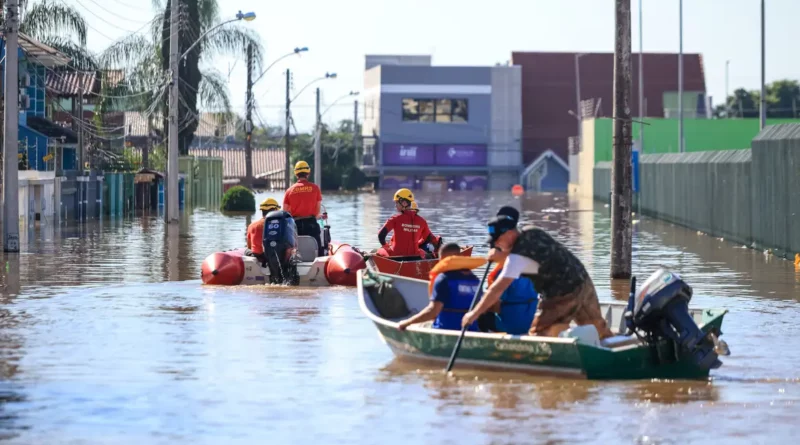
column 565, row 289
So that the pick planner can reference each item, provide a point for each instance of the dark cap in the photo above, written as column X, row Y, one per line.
column 509, row 211
column 499, row 225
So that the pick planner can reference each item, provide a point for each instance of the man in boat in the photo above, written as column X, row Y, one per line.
column 303, row 201
column 452, row 292
column 255, row 231
column 410, row 230
column 428, row 247
column 565, row 289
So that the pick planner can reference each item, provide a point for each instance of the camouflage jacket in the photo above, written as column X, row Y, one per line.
column 560, row 272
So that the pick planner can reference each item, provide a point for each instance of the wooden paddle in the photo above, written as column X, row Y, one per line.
column 464, row 329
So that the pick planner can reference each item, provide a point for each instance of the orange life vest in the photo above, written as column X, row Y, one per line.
column 455, row 262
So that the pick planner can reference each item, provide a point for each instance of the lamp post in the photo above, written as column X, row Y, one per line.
column 250, row 103
column 763, row 104
column 680, row 77
column 287, row 137
column 318, row 137
column 172, row 207
column 727, row 91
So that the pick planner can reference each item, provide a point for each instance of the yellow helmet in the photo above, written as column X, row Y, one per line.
column 269, row 205
column 404, row 194
column 414, row 206
column 301, row 167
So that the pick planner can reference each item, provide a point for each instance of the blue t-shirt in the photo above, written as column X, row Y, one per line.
column 455, row 290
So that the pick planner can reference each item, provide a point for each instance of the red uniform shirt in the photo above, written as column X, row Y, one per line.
column 408, row 228
column 255, row 236
column 302, row 199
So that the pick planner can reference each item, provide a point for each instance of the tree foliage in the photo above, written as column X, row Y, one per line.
column 238, row 199
column 339, row 156
column 782, row 100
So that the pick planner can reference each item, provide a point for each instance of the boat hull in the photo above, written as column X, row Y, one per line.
column 536, row 355
column 233, row 268
column 419, row 269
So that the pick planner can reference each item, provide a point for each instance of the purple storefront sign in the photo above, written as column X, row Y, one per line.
column 395, row 182
column 471, row 182
column 407, row 154
column 461, row 155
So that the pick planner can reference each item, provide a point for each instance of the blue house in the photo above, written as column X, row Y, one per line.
column 43, row 145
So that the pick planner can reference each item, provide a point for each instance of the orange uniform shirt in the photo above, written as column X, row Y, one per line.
column 408, row 228
column 255, row 236
column 302, row 199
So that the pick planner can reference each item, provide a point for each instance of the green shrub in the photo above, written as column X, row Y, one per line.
column 238, row 199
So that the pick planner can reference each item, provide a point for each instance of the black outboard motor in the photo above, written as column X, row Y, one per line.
column 661, row 310
column 280, row 248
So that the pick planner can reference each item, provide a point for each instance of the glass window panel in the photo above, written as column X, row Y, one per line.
column 443, row 110
column 426, row 110
column 410, row 110
column 460, row 110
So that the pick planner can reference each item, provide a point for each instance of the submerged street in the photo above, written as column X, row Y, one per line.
column 108, row 336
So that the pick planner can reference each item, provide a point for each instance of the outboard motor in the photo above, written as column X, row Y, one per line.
column 661, row 310
column 280, row 248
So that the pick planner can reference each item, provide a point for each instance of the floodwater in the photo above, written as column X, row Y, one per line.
column 107, row 336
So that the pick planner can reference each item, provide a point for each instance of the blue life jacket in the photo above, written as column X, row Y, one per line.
column 517, row 307
column 462, row 291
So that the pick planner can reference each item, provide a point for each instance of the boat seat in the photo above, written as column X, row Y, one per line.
column 618, row 341
column 307, row 248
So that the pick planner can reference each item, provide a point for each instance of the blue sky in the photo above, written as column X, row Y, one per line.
column 472, row 32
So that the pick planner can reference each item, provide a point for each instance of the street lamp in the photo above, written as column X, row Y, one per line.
column 249, row 108
column 247, row 17
column 350, row 94
column 326, row 76
column 295, row 51
column 287, row 137
column 172, row 208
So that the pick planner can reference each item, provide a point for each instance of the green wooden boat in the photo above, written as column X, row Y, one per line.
column 387, row 299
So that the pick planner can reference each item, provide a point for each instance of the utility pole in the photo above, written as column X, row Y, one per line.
column 148, row 144
column 727, row 91
column 248, row 121
column 11, row 131
column 680, row 78
column 641, row 80
column 763, row 111
column 171, row 214
column 578, row 111
column 288, row 172
column 355, row 132
column 318, row 147
column 621, row 169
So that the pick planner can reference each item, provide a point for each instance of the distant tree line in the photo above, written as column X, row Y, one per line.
column 339, row 154
column 783, row 101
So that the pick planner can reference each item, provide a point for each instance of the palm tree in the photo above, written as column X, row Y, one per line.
column 59, row 26
column 140, row 54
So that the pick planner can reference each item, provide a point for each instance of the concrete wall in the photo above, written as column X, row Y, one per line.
column 776, row 193
column 505, row 134
column 750, row 196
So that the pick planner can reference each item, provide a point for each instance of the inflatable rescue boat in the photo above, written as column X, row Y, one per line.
column 292, row 260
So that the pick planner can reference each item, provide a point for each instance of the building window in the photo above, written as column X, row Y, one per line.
column 435, row 110
column 410, row 110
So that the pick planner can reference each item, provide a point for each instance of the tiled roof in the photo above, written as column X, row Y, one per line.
column 136, row 123
column 71, row 83
column 265, row 161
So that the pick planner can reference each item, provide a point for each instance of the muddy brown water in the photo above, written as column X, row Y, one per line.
column 108, row 336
